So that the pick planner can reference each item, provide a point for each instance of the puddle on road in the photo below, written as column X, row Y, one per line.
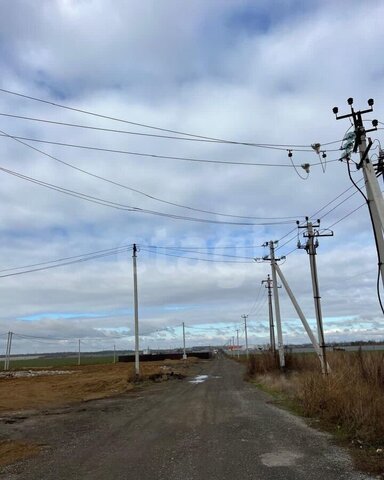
column 283, row 458
column 199, row 379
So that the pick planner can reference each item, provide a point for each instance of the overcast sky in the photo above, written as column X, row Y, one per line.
column 265, row 72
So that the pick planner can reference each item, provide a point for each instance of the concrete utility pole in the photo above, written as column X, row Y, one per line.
column 268, row 285
column 8, row 351
column 274, row 260
column 114, row 353
column 237, row 346
column 136, row 307
column 184, row 351
column 299, row 311
column 374, row 197
column 312, row 231
column 276, row 270
column 79, row 355
column 246, row 334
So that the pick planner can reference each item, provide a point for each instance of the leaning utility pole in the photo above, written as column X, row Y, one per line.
column 299, row 312
column 136, row 307
column 312, row 231
column 246, row 334
column 277, row 271
column 268, row 285
column 374, row 197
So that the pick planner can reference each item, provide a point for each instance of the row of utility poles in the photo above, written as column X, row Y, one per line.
column 355, row 141
column 7, row 357
column 236, row 347
column 312, row 233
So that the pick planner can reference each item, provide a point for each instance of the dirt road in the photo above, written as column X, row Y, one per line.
column 218, row 427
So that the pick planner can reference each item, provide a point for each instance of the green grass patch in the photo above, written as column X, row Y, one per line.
column 65, row 361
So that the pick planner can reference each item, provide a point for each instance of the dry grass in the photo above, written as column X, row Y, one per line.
column 350, row 399
column 82, row 384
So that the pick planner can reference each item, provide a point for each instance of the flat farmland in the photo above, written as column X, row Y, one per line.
column 51, row 387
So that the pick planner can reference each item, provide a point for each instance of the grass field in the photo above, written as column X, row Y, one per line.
column 65, row 361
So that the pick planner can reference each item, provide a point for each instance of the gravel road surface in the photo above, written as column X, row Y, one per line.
column 213, row 426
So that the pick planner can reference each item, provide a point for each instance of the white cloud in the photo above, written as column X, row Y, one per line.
column 225, row 69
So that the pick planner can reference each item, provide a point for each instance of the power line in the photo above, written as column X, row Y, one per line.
column 316, row 213
column 330, row 226
column 193, row 258
column 161, row 157
column 120, row 206
column 121, row 249
column 233, row 247
column 347, row 215
column 104, row 252
column 195, row 137
column 255, row 302
column 152, row 197
column 72, row 262
column 194, row 251
column 336, row 198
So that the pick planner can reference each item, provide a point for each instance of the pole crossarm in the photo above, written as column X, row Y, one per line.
column 374, row 197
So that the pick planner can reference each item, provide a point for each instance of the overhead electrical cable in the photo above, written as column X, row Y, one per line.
column 143, row 125
column 63, row 264
column 297, row 148
column 174, row 247
column 347, row 215
column 122, row 248
column 154, row 248
column 331, row 226
column 257, row 299
column 162, row 157
column 152, row 197
column 120, row 206
column 194, row 258
column 316, row 213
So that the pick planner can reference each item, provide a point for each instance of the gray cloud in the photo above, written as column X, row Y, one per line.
column 222, row 69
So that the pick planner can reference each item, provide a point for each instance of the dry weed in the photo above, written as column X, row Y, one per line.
column 351, row 397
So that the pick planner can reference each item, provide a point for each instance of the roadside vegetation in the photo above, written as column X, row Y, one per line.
column 349, row 401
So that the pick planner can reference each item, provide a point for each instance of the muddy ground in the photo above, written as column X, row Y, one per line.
column 27, row 391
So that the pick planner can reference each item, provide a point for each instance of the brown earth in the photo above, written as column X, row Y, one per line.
column 80, row 384
column 83, row 383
